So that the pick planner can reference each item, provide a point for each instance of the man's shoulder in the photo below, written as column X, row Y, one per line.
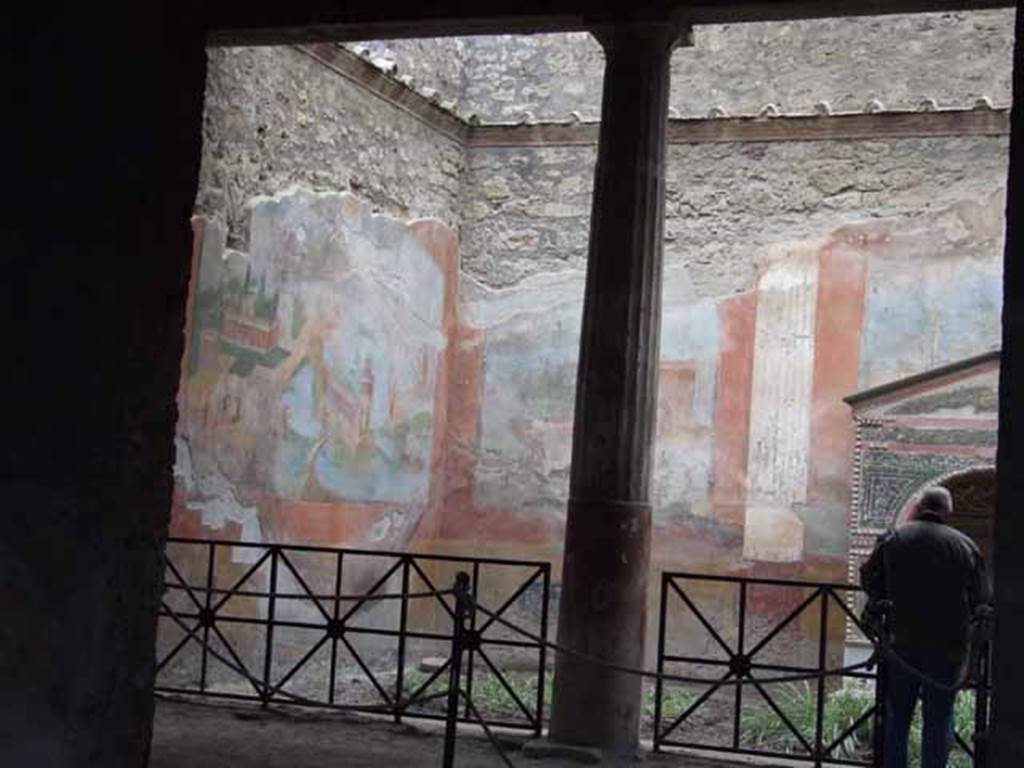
column 936, row 531
column 966, row 541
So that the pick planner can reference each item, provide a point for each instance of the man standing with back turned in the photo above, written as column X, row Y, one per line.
column 934, row 578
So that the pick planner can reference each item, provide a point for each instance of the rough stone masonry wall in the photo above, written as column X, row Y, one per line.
column 797, row 272
column 275, row 117
column 753, row 230
column 953, row 58
column 434, row 67
column 526, row 209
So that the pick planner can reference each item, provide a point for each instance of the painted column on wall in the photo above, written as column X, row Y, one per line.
column 780, row 400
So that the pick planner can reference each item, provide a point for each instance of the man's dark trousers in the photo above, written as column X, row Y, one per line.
column 903, row 689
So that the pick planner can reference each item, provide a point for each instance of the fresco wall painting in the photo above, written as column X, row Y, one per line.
column 344, row 388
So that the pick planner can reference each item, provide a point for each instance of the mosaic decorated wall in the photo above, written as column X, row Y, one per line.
column 935, row 428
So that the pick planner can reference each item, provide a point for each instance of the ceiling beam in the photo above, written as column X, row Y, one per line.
column 260, row 22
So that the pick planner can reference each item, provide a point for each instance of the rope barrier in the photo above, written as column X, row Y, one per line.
column 259, row 685
column 890, row 655
column 352, row 598
column 881, row 637
column 686, row 679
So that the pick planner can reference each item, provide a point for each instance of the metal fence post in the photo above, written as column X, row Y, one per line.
column 461, row 590
column 542, row 651
column 403, row 622
column 742, row 663
column 207, row 614
column 983, row 684
column 658, row 686
column 819, row 715
column 335, row 613
column 268, row 652
column 474, row 585
column 881, row 677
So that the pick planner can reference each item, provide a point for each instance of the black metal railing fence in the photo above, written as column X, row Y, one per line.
column 747, row 631
column 744, row 646
column 274, row 623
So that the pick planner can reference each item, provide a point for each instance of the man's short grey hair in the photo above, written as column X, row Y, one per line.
column 936, row 500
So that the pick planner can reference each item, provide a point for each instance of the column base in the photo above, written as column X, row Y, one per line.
column 546, row 749
column 602, row 616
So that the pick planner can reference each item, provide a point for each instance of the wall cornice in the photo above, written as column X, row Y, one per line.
column 879, row 125
column 982, row 120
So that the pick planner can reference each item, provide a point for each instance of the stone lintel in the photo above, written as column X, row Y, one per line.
column 234, row 22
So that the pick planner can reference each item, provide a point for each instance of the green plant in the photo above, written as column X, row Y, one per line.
column 414, row 680
column 762, row 727
column 488, row 692
column 963, row 722
column 674, row 701
column 491, row 696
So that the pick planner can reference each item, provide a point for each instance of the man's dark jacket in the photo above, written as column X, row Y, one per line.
column 935, row 577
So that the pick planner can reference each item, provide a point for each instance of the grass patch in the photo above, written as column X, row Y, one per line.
column 764, row 729
column 674, row 701
column 491, row 697
column 761, row 727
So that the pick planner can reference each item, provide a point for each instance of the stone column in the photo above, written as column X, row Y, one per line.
column 607, row 544
column 1007, row 734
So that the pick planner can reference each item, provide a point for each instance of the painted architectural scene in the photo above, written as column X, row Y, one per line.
column 387, row 293
column 314, row 362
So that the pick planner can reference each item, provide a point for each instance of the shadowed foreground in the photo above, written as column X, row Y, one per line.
column 190, row 735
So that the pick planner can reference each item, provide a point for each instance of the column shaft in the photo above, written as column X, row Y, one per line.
column 607, row 546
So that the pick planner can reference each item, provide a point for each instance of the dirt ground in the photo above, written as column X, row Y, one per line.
column 200, row 735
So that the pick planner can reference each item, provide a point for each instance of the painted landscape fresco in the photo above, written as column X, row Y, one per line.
column 312, row 374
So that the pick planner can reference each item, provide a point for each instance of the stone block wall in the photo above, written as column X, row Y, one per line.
column 525, row 211
column 797, row 273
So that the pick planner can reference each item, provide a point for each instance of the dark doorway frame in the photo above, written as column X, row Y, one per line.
column 104, row 141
